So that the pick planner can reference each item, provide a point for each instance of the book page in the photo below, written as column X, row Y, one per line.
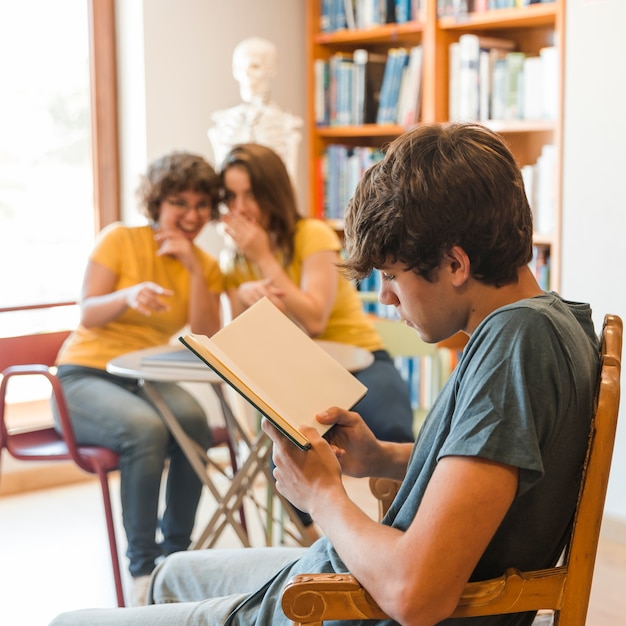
column 209, row 354
column 283, row 366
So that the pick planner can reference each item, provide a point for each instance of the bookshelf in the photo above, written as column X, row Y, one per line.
column 531, row 28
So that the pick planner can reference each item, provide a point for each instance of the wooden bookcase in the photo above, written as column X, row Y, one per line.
column 531, row 27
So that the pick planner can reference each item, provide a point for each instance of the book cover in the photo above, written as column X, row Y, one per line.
column 396, row 60
column 531, row 88
column 514, row 72
column 320, row 69
column 411, row 90
column 369, row 68
column 477, row 54
column 338, row 97
column 454, row 70
column 549, row 82
column 468, row 77
column 385, row 90
column 278, row 368
column 498, row 90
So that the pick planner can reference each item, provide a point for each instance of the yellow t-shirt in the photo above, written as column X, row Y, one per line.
column 131, row 253
column 347, row 323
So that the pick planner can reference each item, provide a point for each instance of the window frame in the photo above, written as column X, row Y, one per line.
column 104, row 112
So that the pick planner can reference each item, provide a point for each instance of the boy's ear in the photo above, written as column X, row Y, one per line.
column 459, row 264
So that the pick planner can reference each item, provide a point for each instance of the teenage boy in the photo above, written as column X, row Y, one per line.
column 493, row 478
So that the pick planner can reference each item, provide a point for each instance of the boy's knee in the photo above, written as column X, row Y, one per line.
column 167, row 579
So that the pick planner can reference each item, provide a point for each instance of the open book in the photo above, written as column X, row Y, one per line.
column 278, row 368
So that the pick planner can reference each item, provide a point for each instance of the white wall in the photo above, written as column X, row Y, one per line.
column 174, row 64
column 594, row 195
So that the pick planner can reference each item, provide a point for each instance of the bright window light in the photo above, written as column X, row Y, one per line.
column 46, row 179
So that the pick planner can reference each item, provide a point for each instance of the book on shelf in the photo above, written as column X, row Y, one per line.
column 540, row 187
column 402, row 11
column 532, row 99
column 369, row 68
column 340, row 69
column 454, row 70
column 344, row 166
column 472, row 60
column 529, row 175
column 332, row 15
column 278, row 368
column 409, row 100
column 549, row 56
column 390, row 90
column 498, row 90
column 545, row 190
column 469, row 54
column 418, row 10
column 484, row 84
column 514, row 81
column 321, row 81
column 348, row 8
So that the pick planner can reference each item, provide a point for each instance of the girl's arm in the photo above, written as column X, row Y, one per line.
column 101, row 303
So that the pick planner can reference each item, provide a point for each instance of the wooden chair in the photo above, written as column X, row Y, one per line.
column 310, row 599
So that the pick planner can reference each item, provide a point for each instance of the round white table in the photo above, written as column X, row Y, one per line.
column 175, row 363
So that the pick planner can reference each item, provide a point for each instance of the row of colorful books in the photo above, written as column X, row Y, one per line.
column 357, row 14
column 342, row 168
column 462, row 7
column 364, row 87
column 491, row 80
column 422, row 375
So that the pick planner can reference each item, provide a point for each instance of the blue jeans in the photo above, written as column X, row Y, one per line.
column 386, row 407
column 114, row 412
column 195, row 588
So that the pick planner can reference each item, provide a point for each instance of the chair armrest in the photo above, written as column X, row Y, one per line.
column 309, row 599
column 384, row 490
column 57, row 396
column 312, row 598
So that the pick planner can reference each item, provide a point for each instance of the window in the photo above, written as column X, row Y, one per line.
column 58, row 156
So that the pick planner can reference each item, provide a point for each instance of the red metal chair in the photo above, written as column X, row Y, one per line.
column 34, row 355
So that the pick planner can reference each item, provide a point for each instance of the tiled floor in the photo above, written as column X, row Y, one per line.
column 54, row 556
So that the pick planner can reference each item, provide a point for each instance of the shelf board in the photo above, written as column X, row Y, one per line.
column 520, row 126
column 393, row 130
column 386, row 33
column 543, row 14
column 366, row 130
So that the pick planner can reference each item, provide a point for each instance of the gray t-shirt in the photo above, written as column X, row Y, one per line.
column 522, row 394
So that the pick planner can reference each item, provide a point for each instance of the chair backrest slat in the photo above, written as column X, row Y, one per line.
column 41, row 348
column 586, row 530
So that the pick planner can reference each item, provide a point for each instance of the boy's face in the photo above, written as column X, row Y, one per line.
column 433, row 309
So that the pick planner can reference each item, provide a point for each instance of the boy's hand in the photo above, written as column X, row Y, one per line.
column 302, row 475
